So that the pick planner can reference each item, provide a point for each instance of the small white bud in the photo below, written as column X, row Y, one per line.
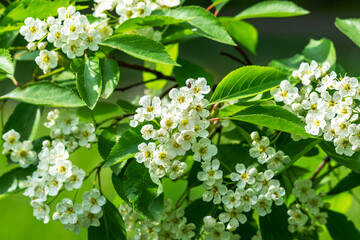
column 46, row 143
column 75, row 129
column 57, row 132
column 88, row 146
column 50, row 20
column 42, row 45
column 31, row 46
column 255, row 136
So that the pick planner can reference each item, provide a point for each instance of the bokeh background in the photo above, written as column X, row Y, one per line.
column 278, row 38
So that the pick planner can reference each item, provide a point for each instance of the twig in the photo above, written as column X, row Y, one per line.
column 13, row 80
column 50, row 74
column 233, row 58
column 320, row 167
column 158, row 74
column 247, row 59
column 139, row 84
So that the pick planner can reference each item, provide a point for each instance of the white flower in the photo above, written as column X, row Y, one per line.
column 146, row 153
column 302, row 190
column 214, row 192
column 204, row 150
column 231, row 199
column 173, row 146
column 198, row 87
column 186, row 139
column 11, row 139
column 73, row 48
column 33, row 29
column 31, row 46
column 177, row 169
column 185, row 231
column 168, row 122
column 276, row 193
column 248, row 198
column 321, row 217
column 314, row 204
column 233, row 217
column 347, row 86
column 287, row 93
column 151, row 107
column 199, row 106
column 93, row 201
column 276, row 162
column 37, row 190
column 56, row 37
column 86, row 134
column 296, row 216
column 67, row 212
column 343, row 146
column 264, row 181
column 47, row 60
column 104, row 30
column 263, row 205
column 23, row 154
column 61, row 170
column 181, row 98
column 54, row 185
column 210, row 172
column 76, row 179
column 41, row 211
column 243, row 176
column 148, row 132
column 92, row 39
column 88, row 219
column 66, row 13
column 169, row 3
column 261, row 150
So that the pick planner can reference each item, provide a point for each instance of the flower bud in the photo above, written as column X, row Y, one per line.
column 50, row 20
column 42, row 45
column 31, row 46
column 75, row 129
column 46, row 143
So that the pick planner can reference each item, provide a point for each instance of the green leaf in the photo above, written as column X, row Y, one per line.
column 274, row 225
column 196, row 211
column 8, row 35
column 47, row 94
column 126, row 147
column 190, row 70
column 14, row 180
column 25, row 120
column 111, row 225
column 148, row 21
column 6, row 64
column 288, row 65
column 110, row 76
column 247, row 81
column 271, row 9
column 140, row 47
column 349, row 182
column 243, row 32
column 219, row 4
column 109, row 137
column 89, row 80
column 321, row 51
column 351, row 28
column 340, row 227
column 226, row 153
column 36, row 8
column 102, row 110
column 126, row 106
column 352, row 162
column 135, row 186
column 274, row 117
column 205, row 23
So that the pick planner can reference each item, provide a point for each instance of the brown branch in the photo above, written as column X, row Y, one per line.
column 320, row 167
column 158, row 74
column 233, row 58
column 139, row 84
column 247, row 59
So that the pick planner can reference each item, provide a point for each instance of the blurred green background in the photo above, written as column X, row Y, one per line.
column 278, row 38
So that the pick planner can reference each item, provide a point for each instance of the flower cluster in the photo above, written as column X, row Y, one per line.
column 250, row 189
column 182, row 128
column 265, row 154
column 131, row 8
column 87, row 214
column 327, row 103
column 20, row 152
column 305, row 216
column 173, row 225
column 55, row 171
column 216, row 230
column 70, row 31
column 65, row 127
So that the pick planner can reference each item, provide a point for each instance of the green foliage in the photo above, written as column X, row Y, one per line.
column 136, row 187
column 110, row 76
column 202, row 209
column 25, row 120
column 351, row 28
column 190, row 70
column 148, row 21
column 274, row 117
column 247, row 81
column 205, row 23
column 14, row 180
column 349, row 182
column 272, row 226
column 89, row 80
column 111, row 225
column 46, row 94
column 140, row 47
column 6, row 65
column 340, row 227
column 109, row 137
column 321, row 51
column 126, row 147
column 272, row 9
